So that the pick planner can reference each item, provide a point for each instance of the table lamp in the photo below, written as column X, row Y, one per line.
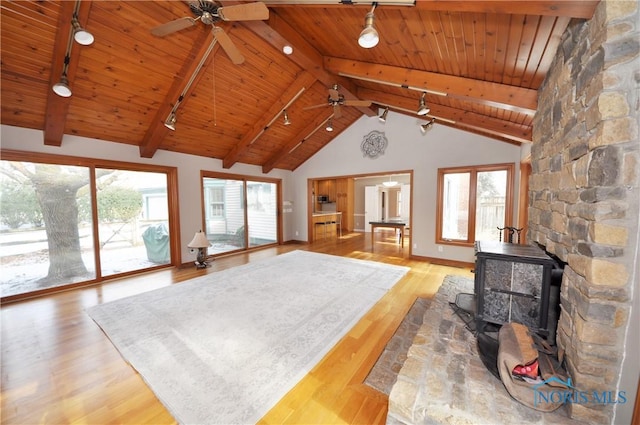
column 200, row 242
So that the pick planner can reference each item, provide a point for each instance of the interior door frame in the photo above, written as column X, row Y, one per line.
column 387, row 174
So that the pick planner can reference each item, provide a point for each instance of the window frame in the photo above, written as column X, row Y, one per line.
column 244, row 179
column 473, row 182
column 92, row 164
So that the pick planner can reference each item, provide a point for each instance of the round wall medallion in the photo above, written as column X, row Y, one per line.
column 374, row 144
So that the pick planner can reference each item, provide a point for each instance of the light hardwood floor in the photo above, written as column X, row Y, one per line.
column 59, row 368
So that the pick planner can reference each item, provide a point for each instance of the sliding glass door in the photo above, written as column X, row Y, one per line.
column 66, row 220
column 239, row 213
column 133, row 220
column 262, row 213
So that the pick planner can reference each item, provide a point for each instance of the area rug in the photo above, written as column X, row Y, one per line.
column 225, row 347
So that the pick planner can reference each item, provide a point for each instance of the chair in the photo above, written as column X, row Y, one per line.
column 510, row 232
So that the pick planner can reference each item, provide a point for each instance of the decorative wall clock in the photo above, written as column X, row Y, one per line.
column 374, row 144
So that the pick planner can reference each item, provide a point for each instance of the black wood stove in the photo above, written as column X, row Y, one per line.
column 513, row 283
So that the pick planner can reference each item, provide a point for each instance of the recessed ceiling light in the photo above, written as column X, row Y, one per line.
column 287, row 50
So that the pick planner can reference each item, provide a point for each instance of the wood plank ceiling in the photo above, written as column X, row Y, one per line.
column 480, row 63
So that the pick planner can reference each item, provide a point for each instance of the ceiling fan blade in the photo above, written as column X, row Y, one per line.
column 227, row 45
column 323, row 105
column 337, row 112
column 173, row 26
column 357, row 103
column 244, row 12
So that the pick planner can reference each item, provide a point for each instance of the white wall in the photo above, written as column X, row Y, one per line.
column 408, row 149
column 188, row 166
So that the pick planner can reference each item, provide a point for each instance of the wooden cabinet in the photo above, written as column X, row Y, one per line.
column 344, row 201
column 327, row 187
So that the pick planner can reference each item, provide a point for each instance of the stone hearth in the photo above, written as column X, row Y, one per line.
column 443, row 380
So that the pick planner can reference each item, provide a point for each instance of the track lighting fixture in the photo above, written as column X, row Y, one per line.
column 383, row 117
column 423, row 109
column 329, row 125
column 369, row 36
column 62, row 88
column 286, row 118
column 426, row 127
column 170, row 122
column 81, row 35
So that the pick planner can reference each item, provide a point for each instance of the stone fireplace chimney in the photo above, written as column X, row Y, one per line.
column 584, row 204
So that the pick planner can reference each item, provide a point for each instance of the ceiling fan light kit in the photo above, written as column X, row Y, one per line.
column 423, row 109
column 369, row 36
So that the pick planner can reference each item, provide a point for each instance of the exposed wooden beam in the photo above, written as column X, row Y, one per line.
column 569, row 8
column 279, row 33
column 57, row 107
column 501, row 96
column 302, row 82
column 157, row 130
column 486, row 125
column 294, row 142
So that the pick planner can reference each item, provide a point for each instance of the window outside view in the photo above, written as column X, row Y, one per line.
column 490, row 194
column 232, row 207
column 47, row 229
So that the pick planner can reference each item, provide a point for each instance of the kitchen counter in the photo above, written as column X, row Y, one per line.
column 326, row 224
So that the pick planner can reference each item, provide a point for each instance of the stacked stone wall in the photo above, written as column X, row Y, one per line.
column 584, row 193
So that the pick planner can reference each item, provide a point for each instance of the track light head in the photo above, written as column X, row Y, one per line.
column 170, row 122
column 383, row 117
column 426, row 127
column 329, row 126
column 286, row 118
column 369, row 36
column 423, row 109
column 61, row 88
column 80, row 35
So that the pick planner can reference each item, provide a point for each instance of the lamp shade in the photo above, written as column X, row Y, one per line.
column 199, row 241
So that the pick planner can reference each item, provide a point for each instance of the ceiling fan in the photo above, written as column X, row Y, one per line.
column 209, row 12
column 336, row 99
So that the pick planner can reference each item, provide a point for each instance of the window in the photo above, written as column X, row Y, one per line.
column 240, row 213
column 67, row 221
column 473, row 202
